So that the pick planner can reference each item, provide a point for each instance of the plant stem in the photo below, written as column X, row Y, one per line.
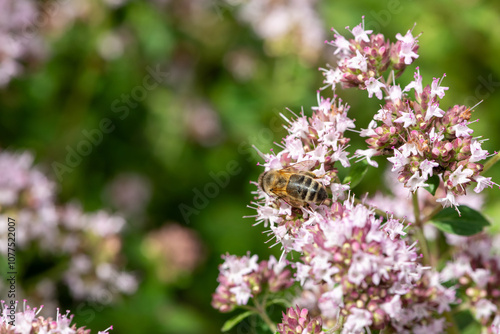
column 493, row 160
column 261, row 309
column 452, row 329
column 434, row 212
column 416, row 208
column 419, row 231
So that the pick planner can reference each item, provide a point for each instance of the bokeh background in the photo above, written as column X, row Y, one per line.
column 171, row 94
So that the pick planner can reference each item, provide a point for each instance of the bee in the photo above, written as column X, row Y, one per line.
column 295, row 184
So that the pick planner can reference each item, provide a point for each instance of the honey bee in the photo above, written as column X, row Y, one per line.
column 295, row 184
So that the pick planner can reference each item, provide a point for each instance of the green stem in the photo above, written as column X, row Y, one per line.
column 452, row 329
column 493, row 160
column 416, row 208
column 419, row 231
column 338, row 326
column 434, row 212
column 261, row 310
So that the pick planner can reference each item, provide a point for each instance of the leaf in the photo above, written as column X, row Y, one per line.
column 433, row 182
column 470, row 222
column 228, row 325
column 356, row 173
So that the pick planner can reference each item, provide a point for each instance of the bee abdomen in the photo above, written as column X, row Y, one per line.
column 305, row 188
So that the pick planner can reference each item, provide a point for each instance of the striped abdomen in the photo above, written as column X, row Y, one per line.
column 305, row 188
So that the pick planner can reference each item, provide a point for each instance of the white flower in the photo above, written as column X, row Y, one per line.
column 477, row 153
column 370, row 130
column 484, row 309
column 357, row 321
column 433, row 111
column 462, row 130
column 459, row 176
column 368, row 154
column 416, row 181
column 407, row 53
column 399, row 161
column 427, row 167
column 408, row 118
column 373, row 86
column 437, row 89
column 358, row 62
column 242, row 293
column 416, row 84
column 449, row 200
column 359, row 32
column 482, row 182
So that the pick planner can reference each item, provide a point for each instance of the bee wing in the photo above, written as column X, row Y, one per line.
column 281, row 194
column 303, row 166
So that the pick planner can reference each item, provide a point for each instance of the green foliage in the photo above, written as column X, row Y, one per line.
column 228, row 325
column 468, row 222
column 433, row 182
column 356, row 173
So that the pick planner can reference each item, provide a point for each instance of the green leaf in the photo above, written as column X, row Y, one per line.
column 356, row 173
column 228, row 325
column 468, row 223
column 433, row 182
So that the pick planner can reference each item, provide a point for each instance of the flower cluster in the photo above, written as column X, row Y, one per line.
column 176, row 250
column 298, row 321
column 319, row 138
column 399, row 201
column 357, row 270
column 424, row 141
column 476, row 271
column 27, row 321
column 363, row 59
column 91, row 241
column 421, row 139
column 17, row 41
column 368, row 272
column 242, row 278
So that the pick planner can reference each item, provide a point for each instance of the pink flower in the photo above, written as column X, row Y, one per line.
column 407, row 52
column 437, row 89
column 408, row 118
column 460, row 176
column 449, row 200
column 367, row 154
column 433, row 111
column 298, row 321
column 359, row 32
column 485, row 309
column 462, row 130
column 243, row 278
column 477, row 153
column 483, row 182
column 373, row 86
column 357, row 321
column 358, row 62
column 29, row 321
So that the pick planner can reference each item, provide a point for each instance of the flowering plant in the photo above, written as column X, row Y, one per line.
column 365, row 265
column 28, row 321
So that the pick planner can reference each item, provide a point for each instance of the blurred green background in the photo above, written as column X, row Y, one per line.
column 223, row 86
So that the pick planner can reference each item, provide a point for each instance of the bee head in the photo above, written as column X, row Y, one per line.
column 261, row 180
